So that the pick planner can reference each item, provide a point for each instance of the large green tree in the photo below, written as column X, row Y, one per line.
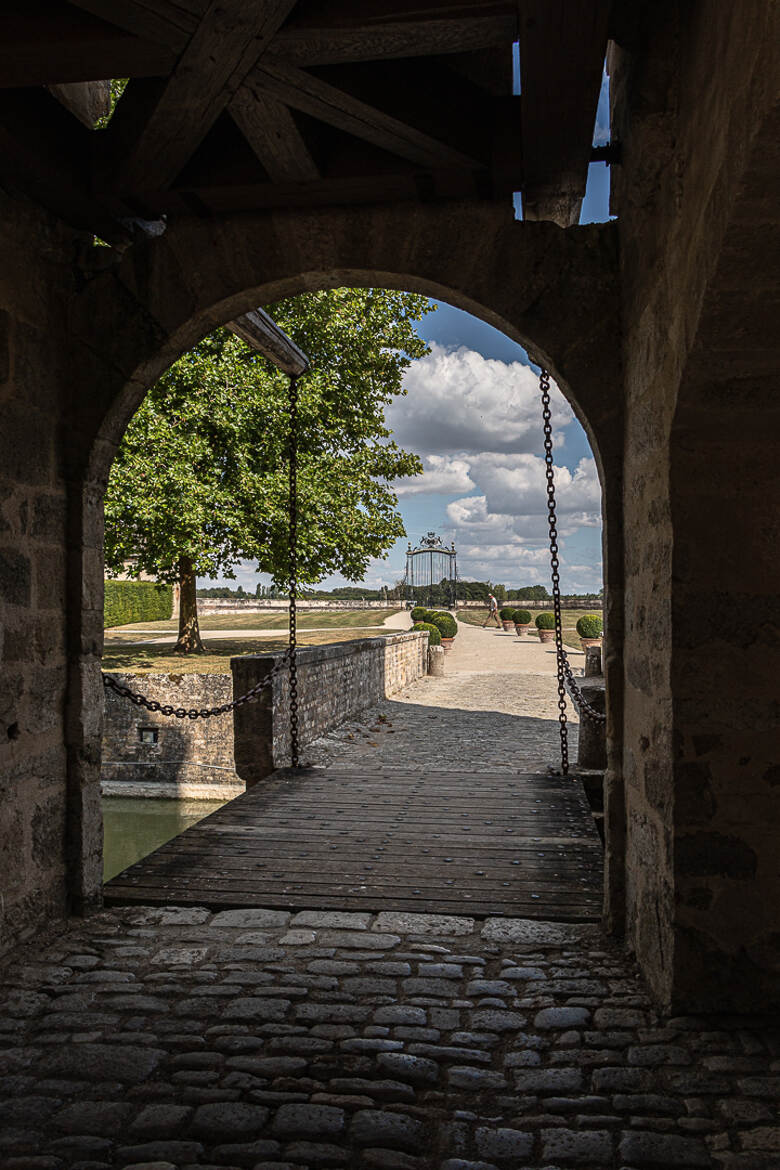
column 200, row 479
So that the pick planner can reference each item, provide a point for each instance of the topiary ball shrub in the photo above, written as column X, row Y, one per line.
column 522, row 617
column 590, row 625
column 545, row 621
column 419, row 613
column 445, row 623
column 507, row 615
column 434, row 637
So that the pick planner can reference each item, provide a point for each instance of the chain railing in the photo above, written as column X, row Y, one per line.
column 292, row 550
column 155, row 706
column 565, row 675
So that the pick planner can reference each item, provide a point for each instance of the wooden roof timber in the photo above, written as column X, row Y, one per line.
column 262, row 333
column 562, row 49
column 289, row 76
column 227, row 44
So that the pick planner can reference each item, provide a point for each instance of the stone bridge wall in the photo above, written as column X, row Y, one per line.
column 334, row 682
column 194, row 758
column 191, row 758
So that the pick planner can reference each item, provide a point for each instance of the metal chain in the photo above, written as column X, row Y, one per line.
column 293, row 570
column 544, row 385
column 194, row 712
column 565, row 676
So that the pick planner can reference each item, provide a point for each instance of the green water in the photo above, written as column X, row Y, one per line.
column 135, row 826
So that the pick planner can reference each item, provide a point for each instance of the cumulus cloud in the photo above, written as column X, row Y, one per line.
column 517, row 484
column 441, row 474
column 459, row 401
column 502, row 532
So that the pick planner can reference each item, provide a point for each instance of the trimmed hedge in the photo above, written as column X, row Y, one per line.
column 545, row 621
column 506, row 614
column 522, row 617
column 590, row 625
column 419, row 613
column 434, row 637
column 445, row 624
column 136, row 601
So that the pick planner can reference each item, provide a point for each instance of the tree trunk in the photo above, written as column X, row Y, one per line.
column 189, row 635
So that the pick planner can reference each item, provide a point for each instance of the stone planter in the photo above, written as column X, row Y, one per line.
column 546, row 635
column 508, row 626
column 520, row 630
column 447, row 643
column 587, row 642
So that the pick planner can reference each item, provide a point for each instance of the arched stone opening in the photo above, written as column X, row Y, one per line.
column 598, row 421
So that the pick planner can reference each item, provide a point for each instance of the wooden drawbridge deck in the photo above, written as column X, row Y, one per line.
column 431, row 842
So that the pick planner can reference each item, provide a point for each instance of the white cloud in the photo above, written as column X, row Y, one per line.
column 441, row 474
column 516, row 485
column 459, row 401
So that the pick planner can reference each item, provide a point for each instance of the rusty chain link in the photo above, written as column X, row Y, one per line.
column 194, row 712
column 565, row 676
column 292, row 550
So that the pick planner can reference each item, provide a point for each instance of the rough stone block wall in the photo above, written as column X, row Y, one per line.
column 334, row 682
column 35, row 278
column 191, row 758
column 696, row 199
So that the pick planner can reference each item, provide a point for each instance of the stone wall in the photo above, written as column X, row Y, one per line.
column 35, row 281
column 696, row 197
column 334, row 682
column 148, row 754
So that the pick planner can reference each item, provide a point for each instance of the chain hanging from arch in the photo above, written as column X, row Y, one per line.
column 288, row 660
column 565, row 676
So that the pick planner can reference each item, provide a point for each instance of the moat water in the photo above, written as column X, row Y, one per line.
column 135, row 827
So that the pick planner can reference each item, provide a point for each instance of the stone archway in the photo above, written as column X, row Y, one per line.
column 552, row 291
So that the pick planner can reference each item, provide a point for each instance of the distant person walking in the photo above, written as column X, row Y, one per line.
column 493, row 607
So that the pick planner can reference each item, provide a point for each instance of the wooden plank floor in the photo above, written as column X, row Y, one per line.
column 433, row 842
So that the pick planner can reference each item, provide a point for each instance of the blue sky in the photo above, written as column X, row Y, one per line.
column 483, row 484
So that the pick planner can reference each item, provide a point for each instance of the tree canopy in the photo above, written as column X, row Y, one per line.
column 200, row 479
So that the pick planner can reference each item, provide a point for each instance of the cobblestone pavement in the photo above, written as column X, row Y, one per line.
column 165, row 1039
column 493, row 722
column 496, row 708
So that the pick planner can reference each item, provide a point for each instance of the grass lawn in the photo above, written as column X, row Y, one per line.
column 145, row 659
column 327, row 619
column 569, row 617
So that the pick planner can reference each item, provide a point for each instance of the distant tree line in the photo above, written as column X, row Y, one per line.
column 439, row 594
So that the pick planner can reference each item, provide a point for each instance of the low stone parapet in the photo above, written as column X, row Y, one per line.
column 148, row 754
column 334, row 682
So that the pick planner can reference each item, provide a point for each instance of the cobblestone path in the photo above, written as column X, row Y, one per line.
column 165, row 1039
column 493, row 722
column 495, row 708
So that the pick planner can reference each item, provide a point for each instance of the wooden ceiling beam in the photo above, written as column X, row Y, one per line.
column 296, row 45
column 305, row 92
column 164, row 22
column 87, row 100
column 562, row 47
column 270, row 130
column 226, row 199
column 226, row 45
column 52, row 44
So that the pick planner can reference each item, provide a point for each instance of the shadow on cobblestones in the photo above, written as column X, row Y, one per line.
column 404, row 732
column 176, row 1038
